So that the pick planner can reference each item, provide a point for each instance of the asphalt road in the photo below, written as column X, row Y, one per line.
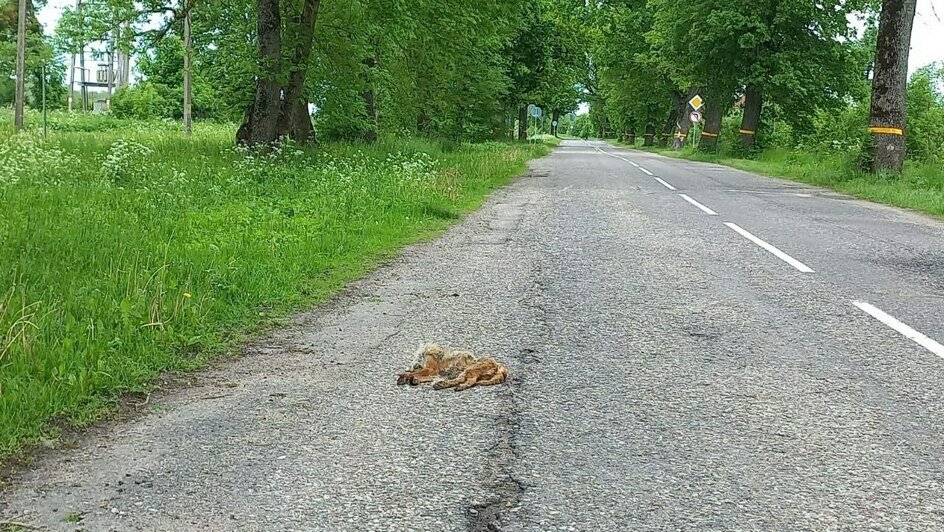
column 712, row 351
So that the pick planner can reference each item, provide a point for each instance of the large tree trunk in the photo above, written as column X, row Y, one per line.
column 650, row 139
column 889, row 86
column 523, row 123
column 684, row 122
column 750, row 121
column 278, row 111
column 262, row 119
column 712, row 129
column 296, row 120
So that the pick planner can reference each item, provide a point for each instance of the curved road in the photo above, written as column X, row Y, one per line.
column 691, row 347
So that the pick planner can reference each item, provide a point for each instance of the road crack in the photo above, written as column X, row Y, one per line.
column 506, row 490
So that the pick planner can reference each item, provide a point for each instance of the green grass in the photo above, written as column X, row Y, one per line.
column 129, row 250
column 920, row 187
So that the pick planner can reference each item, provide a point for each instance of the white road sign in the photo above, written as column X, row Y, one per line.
column 695, row 117
column 696, row 102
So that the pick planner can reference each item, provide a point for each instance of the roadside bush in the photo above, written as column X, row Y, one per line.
column 142, row 102
column 926, row 114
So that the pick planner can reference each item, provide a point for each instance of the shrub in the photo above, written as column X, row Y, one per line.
column 926, row 114
column 142, row 102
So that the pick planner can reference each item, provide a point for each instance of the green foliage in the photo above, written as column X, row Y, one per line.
column 39, row 53
column 926, row 114
column 134, row 250
column 143, row 102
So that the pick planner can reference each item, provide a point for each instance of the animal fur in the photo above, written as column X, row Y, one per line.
column 451, row 368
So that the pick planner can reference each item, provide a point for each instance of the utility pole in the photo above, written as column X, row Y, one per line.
column 20, row 66
column 188, row 66
column 110, row 74
column 71, row 80
column 887, row 115
column 82, row 79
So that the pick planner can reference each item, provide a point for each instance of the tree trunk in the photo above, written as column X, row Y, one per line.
column 889, row 86
column 684, row 122
column 650, row 139
column 523, row 123
column 750, row 121
column 296, row 120
column 712, row 129
column 278, row 111
column 262, row 118
column 669, row 127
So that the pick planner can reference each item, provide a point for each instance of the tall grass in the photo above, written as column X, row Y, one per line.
column 130, row 251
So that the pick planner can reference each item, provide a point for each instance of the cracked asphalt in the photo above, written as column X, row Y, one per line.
column 666, row 374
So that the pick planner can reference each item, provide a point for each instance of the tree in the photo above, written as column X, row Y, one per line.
column 889, row 86
column 280, row 104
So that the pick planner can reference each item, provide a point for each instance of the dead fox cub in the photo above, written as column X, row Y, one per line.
column 452, row 368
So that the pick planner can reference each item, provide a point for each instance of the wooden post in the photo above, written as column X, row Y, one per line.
column 71, row 80
column 83, row 81
column 20, row 67
column 188, row 66
column 44, row 102
column 109, row 77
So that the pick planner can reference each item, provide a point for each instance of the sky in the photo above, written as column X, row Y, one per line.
column 927, row 41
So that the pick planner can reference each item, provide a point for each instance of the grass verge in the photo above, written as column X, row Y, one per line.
column 920, row 187
column 131, row 251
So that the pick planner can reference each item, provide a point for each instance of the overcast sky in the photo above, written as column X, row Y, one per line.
column 927, row 43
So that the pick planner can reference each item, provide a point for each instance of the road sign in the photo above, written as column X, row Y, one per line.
column 554, row 123
column 695, row 117
column 535, row 111
column 696, row 102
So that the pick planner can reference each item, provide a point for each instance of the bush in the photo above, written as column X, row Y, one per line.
column 926, row 114
column 142, row 102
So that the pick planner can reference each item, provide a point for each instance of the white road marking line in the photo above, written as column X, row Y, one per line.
column 776, row 252
column 903, row 329
column 666, row 185
column 706, row 210
column 647, row 172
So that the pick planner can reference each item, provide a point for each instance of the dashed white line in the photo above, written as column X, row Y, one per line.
column 706, row 210
column 776, row 252
column 666, row 185
column 903, row 329
column 647, row 172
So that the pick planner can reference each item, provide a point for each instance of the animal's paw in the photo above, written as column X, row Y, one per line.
column 402, row 379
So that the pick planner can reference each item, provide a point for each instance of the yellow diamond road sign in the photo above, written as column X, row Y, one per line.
column 696, row 102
